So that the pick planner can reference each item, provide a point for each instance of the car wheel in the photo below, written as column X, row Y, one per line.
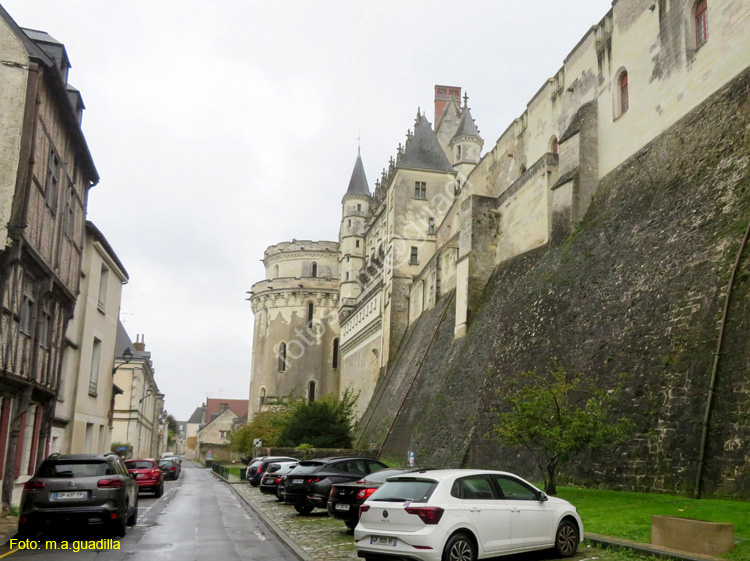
column 133, row 518
column 459, row 547
column 304, row 509
column 351, row 524
column 279, row 493
column 566, row 538
column 159, row 491
column 120, row 527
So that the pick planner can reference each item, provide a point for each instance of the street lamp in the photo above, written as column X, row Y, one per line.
column 149, row 391
column 127, row 354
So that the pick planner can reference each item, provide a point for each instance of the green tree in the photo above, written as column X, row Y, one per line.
column 325, row 423
column 556, row 416
column 266, row 425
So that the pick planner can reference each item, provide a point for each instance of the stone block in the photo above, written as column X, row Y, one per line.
column 695, row 536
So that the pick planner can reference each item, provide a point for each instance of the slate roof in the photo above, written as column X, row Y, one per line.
column 467, row 127
column 424, row 151
column 358, row 182
column 197, row 416
column 123, row 340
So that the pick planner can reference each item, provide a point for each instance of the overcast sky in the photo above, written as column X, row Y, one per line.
column 222, row 127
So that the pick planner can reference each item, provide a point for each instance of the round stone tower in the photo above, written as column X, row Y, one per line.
column 466, row 144
column 295, row 342
column 354, row 213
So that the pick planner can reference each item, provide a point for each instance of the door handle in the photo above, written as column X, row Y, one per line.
column 475, row 510
column 514, row 509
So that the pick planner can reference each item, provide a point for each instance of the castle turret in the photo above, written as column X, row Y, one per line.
column 355, row 210
column 466, row 144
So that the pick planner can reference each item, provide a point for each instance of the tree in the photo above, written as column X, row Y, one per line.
column 325, row 423
column 266, row 425
column 556, row 416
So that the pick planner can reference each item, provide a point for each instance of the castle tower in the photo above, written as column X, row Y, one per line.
column 466, row 144
column 355, row 210
column 296, row 337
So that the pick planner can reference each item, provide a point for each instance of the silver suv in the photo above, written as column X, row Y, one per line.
column 86, row 489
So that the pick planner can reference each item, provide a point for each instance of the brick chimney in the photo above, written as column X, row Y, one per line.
column 140, row 343
column 442, row 96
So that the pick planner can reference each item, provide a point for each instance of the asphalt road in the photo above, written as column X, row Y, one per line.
column 197, row 519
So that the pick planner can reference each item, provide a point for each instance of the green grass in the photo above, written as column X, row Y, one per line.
column 628, row 515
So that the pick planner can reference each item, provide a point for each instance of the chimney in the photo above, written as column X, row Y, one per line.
column 223, row 407
column 442, row 96
column 140, row 343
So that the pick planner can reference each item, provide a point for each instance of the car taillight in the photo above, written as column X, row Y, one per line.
column 363, row 508
column 428, row 514
column 260, row 469
column 32, row 485
column 314, row 479
column 155, row 473
column 109, row 484
column 277, row 480
column 364, row 493
column 172, row 468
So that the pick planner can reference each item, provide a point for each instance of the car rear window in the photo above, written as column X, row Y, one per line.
column 166, row 463
column 139, row 465
column 308, row 467
column 75, row 469
column 415, row 490
column 384, row 474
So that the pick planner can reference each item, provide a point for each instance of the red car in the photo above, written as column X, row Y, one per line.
column 147, row 475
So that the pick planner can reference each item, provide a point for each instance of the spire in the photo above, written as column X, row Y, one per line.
column 358, row 182
column 423, row 150
column 466, row 127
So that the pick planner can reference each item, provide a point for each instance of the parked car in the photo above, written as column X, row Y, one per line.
column 258, row 467
column 147, row 474
column 463, row 514
column 83, row 489
column 270, row 482
column 171, row 456
column 309, row 485
column 345, row 498
column 171, row 468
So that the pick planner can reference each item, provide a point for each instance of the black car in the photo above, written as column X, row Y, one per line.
column 309, row 484
column 170, row 468
column 345, row 498
column 258, row 467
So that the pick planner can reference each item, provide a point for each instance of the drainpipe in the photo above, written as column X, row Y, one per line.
column 715, row 368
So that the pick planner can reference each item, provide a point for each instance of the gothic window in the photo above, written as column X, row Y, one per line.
column 701, row 22
column 623, row 92
column 282, row 357
column 335, row 359
column 430, row 225
column 420, row 190
column 413, row 260
column 311, row 391
column 554, row 146
column 262, row 396
column 314, row 269
column 310, row 311
column 621, row 96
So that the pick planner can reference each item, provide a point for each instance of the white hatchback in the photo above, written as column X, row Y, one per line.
column 463, row 515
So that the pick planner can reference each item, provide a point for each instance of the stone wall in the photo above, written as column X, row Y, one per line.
column 639, row 288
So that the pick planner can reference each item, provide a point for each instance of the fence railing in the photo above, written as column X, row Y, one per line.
column 226, row 472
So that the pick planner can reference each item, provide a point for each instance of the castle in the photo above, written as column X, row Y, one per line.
column 332, row 316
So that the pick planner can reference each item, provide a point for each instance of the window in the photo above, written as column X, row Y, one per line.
column 554, row 145
column 262, row 396
column 359, row 208
column 414, row 256
column 53, row 179
column 281, row 355
column 335, row 358
column 624, row 93
column 103, row 281
column 458, row 153
column 276, row 271
column 70, row 214
column 349, row 225
column 96, row 354
column 515, row 490
column 223, row 433
column 44, row 326
column 310, row 311
column 347, row 275
column 311, row 391
column 27, row 308
column 420, row 190
column 357, row 243
column 701, row 23
column 430, row 225
column 472, row 488
column 314, row 269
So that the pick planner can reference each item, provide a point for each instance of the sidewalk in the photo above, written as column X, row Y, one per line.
column 8, row 528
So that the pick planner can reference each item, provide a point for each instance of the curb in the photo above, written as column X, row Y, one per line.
column 275, row 529
column 647, row 548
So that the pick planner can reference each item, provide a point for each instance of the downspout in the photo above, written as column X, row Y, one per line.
column 715, row 368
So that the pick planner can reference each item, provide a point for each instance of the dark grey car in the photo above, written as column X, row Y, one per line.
column 83, row 489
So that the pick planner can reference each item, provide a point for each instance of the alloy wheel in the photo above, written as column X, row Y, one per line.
column 567, row 540
column 461, row 551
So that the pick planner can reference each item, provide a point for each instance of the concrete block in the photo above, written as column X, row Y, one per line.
column 696, row 536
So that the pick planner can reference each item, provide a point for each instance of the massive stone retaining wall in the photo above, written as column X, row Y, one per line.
column 639, row 288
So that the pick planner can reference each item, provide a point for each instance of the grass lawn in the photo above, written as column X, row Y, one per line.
column 628, row 515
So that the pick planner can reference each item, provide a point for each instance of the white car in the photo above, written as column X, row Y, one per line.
column 463, row 515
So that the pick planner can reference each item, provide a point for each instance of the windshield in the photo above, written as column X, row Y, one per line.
column 307, row 467
column 75, row 469
column 139, row 465
column 415, row 490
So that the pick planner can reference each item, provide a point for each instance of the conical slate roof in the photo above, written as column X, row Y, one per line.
column 467, row 127
column 423, row 150
column 358, row 182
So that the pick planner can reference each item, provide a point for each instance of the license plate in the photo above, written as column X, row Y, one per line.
column 297, row 481
column 68, row 495
column 341, row 506
column 382, row 540
column 140, row 476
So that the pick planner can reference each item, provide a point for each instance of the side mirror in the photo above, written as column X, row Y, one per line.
column 542, row 496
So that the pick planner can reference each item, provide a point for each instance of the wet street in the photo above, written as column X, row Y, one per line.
column 198, row 518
